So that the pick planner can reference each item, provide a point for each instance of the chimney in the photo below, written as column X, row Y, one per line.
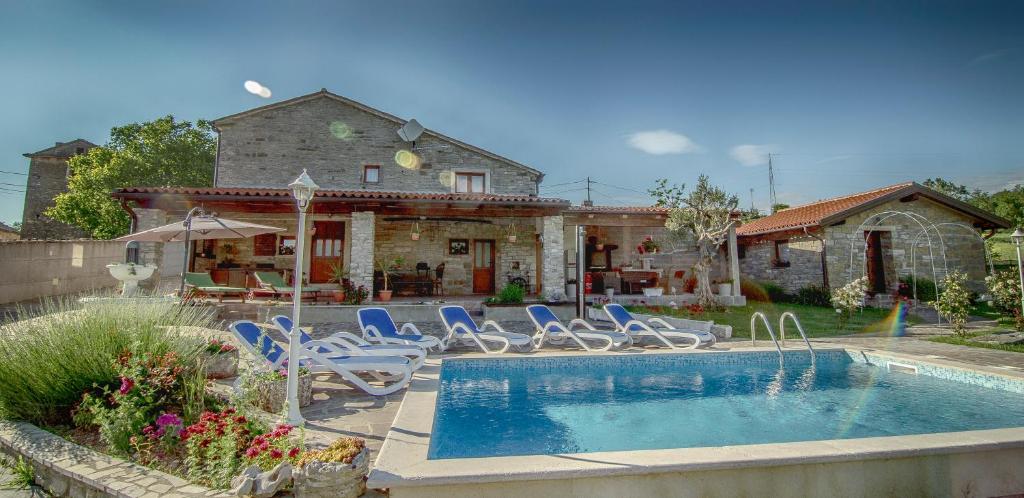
column 588, row 203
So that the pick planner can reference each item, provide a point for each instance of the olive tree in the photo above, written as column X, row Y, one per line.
column 701, row 216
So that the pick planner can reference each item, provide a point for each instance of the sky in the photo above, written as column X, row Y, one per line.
column 846, row 96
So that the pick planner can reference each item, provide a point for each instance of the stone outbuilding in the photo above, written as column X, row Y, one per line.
column 885, row 234
column 47, row 177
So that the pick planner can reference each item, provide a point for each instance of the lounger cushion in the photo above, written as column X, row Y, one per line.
column 205, row 283
column 454, row 315
column 380, row 319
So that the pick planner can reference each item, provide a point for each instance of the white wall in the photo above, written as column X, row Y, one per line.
column 31, row 269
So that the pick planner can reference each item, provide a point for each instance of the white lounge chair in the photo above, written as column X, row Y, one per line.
column 665, row 332
column 378, row 326
column 261, row 346
column 342, row 342
column 551, row 329
column 460, row 327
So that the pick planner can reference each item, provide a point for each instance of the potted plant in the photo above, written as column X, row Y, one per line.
column 220, row 360
column 649, row 245
column 336, row 471
column 339, row 274
column 269, row 390
column 387, row 267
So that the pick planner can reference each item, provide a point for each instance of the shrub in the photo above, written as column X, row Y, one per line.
column 753, row 290
column 955, row 301
column 814, row 295
column 511, row 294
column 849, row 298
column 219, row 445
column 925, row 288
column 1005, row 289
column 47, row 362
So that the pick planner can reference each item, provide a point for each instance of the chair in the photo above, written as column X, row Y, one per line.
column 439, row 281
column 202, row 284
column 273, row 281
column 378, row 326
column 625, row 322
column 422, row 269
column 275, row 357
column 342, row 342
column 460, row 327
column 550, row 328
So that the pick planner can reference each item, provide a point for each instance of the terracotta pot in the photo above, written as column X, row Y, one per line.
column 385, row 295
column 220, row 365
column 339, row 295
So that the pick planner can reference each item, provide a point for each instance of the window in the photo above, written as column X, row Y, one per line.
column 371, row 173
column 779, row 254
column 469, row 183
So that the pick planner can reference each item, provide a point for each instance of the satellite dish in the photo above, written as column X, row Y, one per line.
column 410, row 131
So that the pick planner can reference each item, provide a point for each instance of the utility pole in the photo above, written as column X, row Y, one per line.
column 771, row 183
column 588, row 202
column 752, row 210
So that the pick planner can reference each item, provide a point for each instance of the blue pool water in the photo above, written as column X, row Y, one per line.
column 556, row 405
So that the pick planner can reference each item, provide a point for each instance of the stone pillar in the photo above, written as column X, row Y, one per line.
column 734, row 261
column 360, row 260
column 553, row 238
column 151, row 253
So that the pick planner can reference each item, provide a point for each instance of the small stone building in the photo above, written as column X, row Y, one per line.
column 885, row 234
column 48, row 177
column 8, row 233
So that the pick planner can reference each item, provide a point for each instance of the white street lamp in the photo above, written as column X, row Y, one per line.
column 303, row 189
column 1018, row 239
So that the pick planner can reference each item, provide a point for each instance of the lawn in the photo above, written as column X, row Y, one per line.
column 966, row 341
column 817, row 321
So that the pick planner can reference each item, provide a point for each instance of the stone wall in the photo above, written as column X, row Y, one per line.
column 963, row 250
column 33, row 269
column 334, row 140
column 553, row 240
column 47, row 177
column 361, row 253
column 393, row 239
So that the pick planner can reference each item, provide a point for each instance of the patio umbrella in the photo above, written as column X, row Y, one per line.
column 199, row 226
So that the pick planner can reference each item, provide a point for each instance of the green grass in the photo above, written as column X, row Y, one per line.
column 983, row 310
column 48, row 361
column 23, row 475
column 817, row 321
column 966, row 341
column 1002, row 248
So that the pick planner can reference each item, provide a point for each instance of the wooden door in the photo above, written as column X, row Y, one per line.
column 875, row 265
column 483, row 266
column 328, row 249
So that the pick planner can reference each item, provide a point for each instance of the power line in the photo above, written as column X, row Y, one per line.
column 560, row 184
column 622, row 188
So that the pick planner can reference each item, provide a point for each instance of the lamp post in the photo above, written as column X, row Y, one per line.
column 1018, row 239
column 303, row 189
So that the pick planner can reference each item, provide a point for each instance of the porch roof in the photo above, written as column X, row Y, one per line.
column 271, row 200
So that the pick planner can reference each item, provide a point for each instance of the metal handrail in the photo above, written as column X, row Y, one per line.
column 799, row 328
column 753, row 333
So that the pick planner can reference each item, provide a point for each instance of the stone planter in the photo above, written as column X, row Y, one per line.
column 332, row 479
column 270, row 395
column 220, row 365
column 725, row 289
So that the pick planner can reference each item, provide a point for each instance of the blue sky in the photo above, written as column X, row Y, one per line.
column 849, row 95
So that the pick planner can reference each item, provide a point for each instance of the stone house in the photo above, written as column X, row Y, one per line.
column 432, row 200
column 885, row 234
column 48, row 177
column 8, row 233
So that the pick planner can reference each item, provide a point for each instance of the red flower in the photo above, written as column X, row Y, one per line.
column 204, row 443
column 276, row 453
column 252, row 452
column 292, row 453
column 126, row 385
column 240, row 419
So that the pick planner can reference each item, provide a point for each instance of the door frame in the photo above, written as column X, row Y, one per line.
column 494, row 284
column 312, row 246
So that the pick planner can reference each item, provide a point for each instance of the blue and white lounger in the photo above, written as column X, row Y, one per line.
column 551, row 329
column 347, row 343
column 261, row 346
column 625, row 322
column 460, row 327
column 378, row 326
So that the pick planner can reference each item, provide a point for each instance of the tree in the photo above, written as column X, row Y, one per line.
column 779, row 207
column 949, row 188
column 701, row 216
column 159, row 153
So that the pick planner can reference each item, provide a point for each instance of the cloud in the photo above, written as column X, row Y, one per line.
column 750, row 154
column 661, row 142
column 989, row 57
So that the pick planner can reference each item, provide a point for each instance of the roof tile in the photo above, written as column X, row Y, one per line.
column 812, row 214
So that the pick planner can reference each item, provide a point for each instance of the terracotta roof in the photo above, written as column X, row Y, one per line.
column 618, row 209
column 836, row 209
column 324, row 93
column 130, row 192
column 6, row 228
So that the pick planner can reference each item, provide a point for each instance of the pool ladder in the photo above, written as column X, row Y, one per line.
column 782, row 332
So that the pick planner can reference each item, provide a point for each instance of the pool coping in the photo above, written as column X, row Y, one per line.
column 403, row 461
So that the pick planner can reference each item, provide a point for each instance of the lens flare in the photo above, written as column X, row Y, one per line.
column 446, row 178
column 340, row 130
column 407, row 159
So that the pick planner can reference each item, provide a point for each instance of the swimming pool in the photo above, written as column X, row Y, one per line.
column 547, row 406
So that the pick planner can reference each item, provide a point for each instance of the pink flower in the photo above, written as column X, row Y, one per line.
column 276, row 453
column 168, row 419
column 126, row 385
column 252, row 452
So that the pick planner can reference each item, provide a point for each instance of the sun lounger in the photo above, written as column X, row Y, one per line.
column 346, row 343
column 460, row 327
column 201, row 284
column 665, row 333
column 273, row 282
column 551, row 329
column 378, row 326
column 261, row 346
